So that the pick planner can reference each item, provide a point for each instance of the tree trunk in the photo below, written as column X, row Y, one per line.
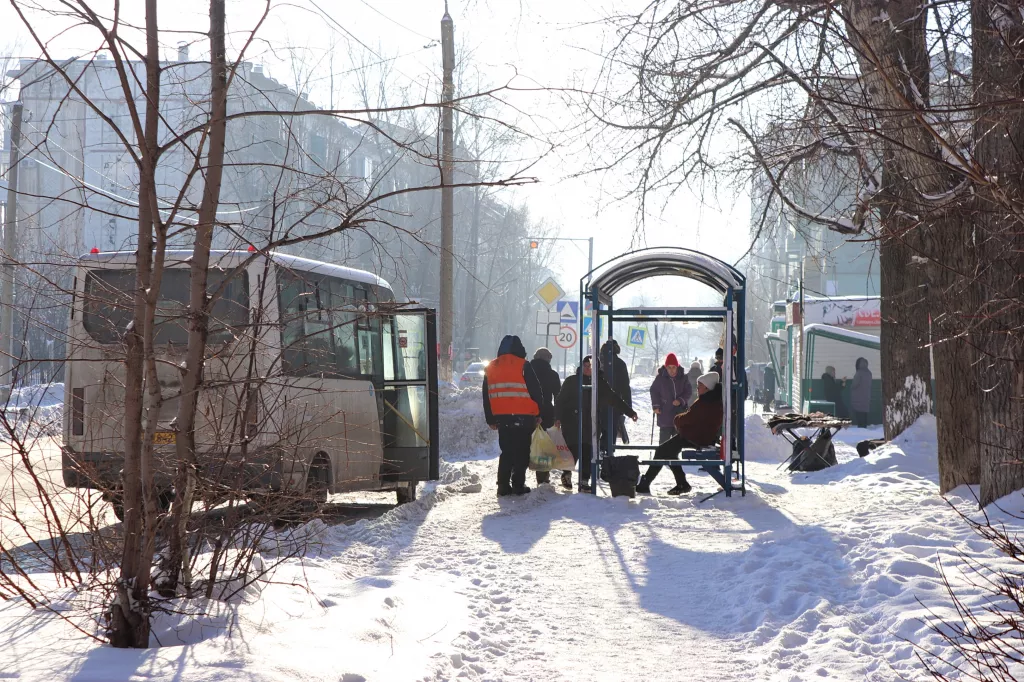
column 998, row 72
column 195, row 354
column 906, row 362
column 956, row 388
column 129, row 613
column 895, row 68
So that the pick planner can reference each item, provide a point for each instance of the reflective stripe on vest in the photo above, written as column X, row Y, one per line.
column 506, row 387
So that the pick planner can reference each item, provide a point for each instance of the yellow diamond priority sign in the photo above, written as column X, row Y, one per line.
column 549, row 292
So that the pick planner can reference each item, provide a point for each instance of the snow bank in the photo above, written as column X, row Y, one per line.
column 464, row 433
column 37, row 410
column 761, row 444
column 38, row 395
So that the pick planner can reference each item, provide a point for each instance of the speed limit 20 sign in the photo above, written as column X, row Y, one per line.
column 566, row 337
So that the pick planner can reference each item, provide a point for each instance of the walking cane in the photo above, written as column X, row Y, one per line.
column 652, row 428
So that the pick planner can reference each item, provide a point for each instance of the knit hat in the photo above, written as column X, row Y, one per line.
column 710, row 380
column 671, row 360
column 695, row 366
column 542, row 354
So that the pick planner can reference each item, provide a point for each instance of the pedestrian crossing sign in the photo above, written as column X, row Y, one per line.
column 637, row 337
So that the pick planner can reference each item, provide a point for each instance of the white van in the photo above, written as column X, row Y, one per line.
column 315, row 380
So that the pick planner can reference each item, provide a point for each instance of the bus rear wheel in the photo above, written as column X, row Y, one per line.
column 407, row 493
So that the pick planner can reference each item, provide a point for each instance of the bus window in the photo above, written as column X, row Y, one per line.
column 411, row 362
column 307, row 336
column 326, row 328
column 343, row 320
column 108, row 305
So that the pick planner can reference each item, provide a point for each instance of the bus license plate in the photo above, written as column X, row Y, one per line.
column 163, row 438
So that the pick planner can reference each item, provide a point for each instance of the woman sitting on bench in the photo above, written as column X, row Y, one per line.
column 696, row 428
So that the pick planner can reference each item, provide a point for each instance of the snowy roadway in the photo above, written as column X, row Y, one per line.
column 815, row 576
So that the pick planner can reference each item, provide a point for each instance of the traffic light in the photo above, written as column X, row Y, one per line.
column 534, row 244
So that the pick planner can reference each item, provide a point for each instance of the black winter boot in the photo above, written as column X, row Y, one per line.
column 680, row 489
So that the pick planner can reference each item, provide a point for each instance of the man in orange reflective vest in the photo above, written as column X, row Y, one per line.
column 512, row 399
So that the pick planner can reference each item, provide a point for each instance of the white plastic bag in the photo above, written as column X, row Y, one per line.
column 563, row 460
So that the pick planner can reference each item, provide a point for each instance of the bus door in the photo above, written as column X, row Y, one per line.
column 409, row 426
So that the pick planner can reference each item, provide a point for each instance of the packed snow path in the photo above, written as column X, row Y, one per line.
column 807, row 577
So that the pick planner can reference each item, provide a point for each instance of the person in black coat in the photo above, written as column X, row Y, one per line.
column 833, row 390
column 568, row 417
column 716, row 366
column 550, row 384
column 620, row 382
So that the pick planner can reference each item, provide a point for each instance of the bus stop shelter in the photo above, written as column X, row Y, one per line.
column 726, row 464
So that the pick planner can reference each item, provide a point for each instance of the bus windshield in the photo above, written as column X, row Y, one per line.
column 109, row 301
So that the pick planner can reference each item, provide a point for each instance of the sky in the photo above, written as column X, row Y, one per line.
column 537, row 46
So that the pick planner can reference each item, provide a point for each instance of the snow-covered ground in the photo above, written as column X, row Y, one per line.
column 815, row 576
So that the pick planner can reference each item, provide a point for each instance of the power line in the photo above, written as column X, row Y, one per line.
column 364, row 45
column 396, row 23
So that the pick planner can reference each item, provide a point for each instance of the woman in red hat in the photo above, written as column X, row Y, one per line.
column 670, row 395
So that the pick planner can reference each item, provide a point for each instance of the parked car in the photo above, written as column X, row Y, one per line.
column 474, row 375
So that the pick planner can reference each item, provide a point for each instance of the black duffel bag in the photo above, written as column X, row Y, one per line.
column 621, row 474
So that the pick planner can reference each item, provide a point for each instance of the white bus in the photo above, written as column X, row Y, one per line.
column 316, row 380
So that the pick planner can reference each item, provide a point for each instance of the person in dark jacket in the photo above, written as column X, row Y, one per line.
column 698, row 427
column 670, row 395
column 716, row 366
column 620, row 382
column 769, row 388
column 833, row 390
column 512, row 399
column 567, row 414
column 550, row 385
column 860, row 393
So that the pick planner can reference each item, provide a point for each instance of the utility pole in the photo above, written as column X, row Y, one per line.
column 10, row 250
column 447, row 199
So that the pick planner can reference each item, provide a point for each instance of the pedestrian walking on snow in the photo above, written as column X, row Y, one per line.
column 550, row 384
column 670, row 395
column 512, row 398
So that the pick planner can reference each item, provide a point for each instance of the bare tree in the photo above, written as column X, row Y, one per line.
column 185, row 184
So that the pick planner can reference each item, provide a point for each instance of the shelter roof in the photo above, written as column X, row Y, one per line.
column 618, row 273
